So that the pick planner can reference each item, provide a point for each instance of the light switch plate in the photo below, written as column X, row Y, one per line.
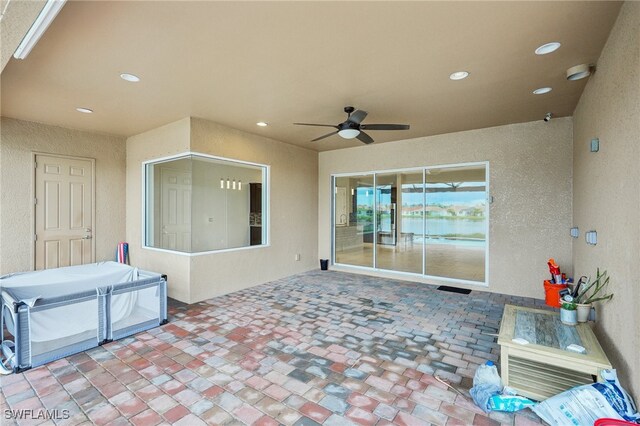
column 595, row 145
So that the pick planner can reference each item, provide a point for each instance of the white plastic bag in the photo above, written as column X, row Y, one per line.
column 583, row 405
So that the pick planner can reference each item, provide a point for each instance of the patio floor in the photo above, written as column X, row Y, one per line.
column 322, row 347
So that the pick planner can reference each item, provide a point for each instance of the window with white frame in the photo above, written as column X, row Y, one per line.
column 196, row 203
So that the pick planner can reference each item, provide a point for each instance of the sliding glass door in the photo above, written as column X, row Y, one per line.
column 353, row 220
column 430, row 221
column 399, row 236
column 456, row 222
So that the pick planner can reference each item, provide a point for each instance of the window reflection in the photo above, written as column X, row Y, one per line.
column 198, row 204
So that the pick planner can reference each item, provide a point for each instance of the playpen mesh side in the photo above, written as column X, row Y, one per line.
column 58, row 327
column 136, row 308
column 21, row 334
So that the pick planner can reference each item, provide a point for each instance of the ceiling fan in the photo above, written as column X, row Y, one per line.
column 353, row 127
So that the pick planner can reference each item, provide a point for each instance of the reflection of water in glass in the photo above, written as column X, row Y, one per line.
column 443, row 226
column 448, row 241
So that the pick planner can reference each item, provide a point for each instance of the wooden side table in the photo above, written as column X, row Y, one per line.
column 544, row 367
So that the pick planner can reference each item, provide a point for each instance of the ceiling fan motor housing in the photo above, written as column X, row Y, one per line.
column 348, row 125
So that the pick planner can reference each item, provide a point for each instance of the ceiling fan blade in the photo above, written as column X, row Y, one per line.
column 385, row 126
column 357, row 116
column 325, row 136
column 365, row 138
column 319, row 125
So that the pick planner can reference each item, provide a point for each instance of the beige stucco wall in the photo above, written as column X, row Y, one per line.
column 292, row 220
column 171, row 139
column 293, row 210
column 18, row 141
column 607, row 190
column 530, row 180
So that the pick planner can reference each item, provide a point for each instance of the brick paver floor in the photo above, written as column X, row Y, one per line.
column 322, row 347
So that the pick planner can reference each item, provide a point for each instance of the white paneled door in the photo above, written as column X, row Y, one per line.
column 176, row 209
column 64, row 197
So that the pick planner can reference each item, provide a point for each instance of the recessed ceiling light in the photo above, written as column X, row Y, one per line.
column 548, row 48
column 542, row 90
column 129, row 77
column 84, row 110
column 261, row 124
column 459, row 75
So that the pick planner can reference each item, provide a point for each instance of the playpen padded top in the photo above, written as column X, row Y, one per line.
column 29, row 286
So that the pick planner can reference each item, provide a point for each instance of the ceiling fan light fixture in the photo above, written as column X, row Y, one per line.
column 349, row 133
column 579, row 72
column 353, row 127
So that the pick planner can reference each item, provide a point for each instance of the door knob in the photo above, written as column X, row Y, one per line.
column 86, row 237
column 87, row 230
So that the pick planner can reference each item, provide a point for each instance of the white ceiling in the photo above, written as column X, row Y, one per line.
column 237, row 63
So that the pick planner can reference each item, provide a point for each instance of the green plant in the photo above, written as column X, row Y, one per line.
column 568, row 306
column 595, row 287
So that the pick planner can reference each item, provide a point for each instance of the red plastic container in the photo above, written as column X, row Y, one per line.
column 552, row 293
column 612, row 422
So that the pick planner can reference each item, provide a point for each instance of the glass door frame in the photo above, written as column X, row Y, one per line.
column 424, row 170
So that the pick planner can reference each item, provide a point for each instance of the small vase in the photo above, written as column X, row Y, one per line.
column 583, row 312
column 569, row 317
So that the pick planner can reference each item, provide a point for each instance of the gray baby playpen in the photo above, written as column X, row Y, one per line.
column 59, row 312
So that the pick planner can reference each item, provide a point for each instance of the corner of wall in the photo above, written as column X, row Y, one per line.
column 607, row 190
column 293, row 181
column 170, row 139
column 293, row 174
column 1, row 191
